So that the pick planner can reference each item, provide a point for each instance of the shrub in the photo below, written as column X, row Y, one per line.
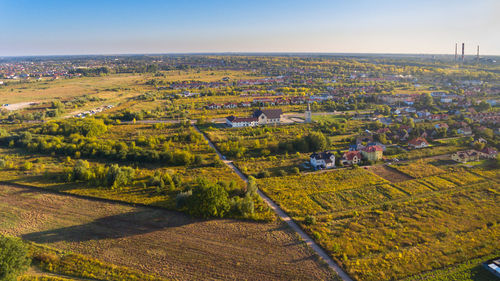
column 13, row 258
column 309, row 220
column 264, row 174
column 27, row 165
column 182, row 198
column 251, row 186
column 243, row 206
column 208, row 200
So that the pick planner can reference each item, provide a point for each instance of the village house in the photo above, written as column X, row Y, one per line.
column 237, row 122
column 260, row 117
column 351, row 158
column 489, row 153
column 268, row 116
column 465, row 131
column 465, row 156
column 214, row 106
column 418, row 143
column 230, row 105
column 322, row 160
column 441, row 126
column 372, row 153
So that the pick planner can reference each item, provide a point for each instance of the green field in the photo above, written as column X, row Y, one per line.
column 377, row 229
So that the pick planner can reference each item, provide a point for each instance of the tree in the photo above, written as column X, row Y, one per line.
column 208, row 200
column 426, row 101
column 13, row 258
column 316, row 141
column 484, row 106
column 251, row 186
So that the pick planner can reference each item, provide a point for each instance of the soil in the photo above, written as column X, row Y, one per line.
column 157, row 241
column 389, row 173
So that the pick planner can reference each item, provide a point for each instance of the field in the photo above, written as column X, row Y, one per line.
column 418, row 169
column 270, row 149
column 377, row 229
column 155, row 241
column 389, row 173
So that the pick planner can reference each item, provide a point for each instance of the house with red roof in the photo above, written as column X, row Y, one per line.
column 418, row 143
column 372, row 153
column 351, row 157
column 489, row 152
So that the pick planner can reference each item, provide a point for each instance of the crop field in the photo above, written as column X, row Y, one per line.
column 155, row 241
column 377, row 229
column 67, row 88
column 389, row 173
column 418, row 169
column 311, row 194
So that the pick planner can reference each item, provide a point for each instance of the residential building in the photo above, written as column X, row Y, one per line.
column 372, row 153
column 489, row 152
column 268, row 116
column 323, row 160
column 418, row 143
column 351, row 158
column 237, row 122
column 465, row 156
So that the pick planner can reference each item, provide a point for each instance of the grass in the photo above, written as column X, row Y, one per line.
column 471, row 270
column 154, row 241
column 418, row 169
column 377, row 229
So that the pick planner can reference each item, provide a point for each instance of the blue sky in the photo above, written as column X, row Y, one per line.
column 54, row 27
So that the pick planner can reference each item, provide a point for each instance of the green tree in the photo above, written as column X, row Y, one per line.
column 13, row 258
column 208, row 200
column 316, row 141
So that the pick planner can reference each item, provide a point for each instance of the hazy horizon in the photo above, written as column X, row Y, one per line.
column 52, row 28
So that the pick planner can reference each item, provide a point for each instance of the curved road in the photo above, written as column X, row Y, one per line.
column 309, row 241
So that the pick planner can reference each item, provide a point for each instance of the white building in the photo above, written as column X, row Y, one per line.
column 323, row 160
column 237, row 122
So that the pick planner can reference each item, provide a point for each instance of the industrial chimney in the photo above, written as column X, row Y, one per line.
column 477, row 58
column 456, row 46
column 463, row 52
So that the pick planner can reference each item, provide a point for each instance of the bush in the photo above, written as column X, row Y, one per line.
column 208, row 200
column 309, row 220
column 182, row 198
column 264, row 174
column 13, row 258
column 243, row 206
column 27, row 165
column 251, row 186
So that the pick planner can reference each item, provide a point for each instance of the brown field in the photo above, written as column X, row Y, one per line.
column 166, row 243
column 67, row 88
column 389, row 173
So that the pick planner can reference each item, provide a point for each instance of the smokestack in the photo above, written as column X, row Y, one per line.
column 456, row 46
column 463, row 52
column 477, row 58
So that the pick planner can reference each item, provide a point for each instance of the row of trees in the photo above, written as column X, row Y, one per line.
column 88, row 127
column 112, row 176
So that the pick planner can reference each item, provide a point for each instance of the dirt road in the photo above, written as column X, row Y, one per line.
column 283, row 216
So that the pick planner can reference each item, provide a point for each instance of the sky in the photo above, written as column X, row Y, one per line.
column 56, row 27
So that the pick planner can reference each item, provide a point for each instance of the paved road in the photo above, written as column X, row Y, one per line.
column 286, row 218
